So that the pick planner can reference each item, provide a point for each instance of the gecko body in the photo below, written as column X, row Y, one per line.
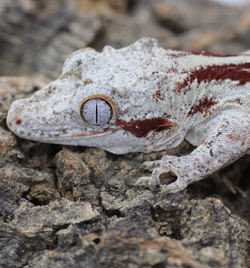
column 144, row 98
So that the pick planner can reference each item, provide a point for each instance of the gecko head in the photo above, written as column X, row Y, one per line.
column 104, row 100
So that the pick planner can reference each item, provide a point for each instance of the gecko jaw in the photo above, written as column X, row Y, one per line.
column 69, row 136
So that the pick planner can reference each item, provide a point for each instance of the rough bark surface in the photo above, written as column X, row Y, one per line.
column 78, row 207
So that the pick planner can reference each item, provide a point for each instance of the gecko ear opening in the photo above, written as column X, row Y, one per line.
column 97, row 110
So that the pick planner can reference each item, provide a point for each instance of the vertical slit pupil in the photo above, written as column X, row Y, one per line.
column 96, row 112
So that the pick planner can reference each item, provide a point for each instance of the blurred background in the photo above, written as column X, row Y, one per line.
column 36, row 36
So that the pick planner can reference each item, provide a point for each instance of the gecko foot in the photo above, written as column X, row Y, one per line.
column 163, row 174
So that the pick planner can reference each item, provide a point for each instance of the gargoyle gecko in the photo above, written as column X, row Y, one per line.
column 144, row 98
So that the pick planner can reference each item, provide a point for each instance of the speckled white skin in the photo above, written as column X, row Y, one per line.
column 131, row 76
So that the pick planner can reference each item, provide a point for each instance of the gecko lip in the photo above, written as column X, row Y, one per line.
column 61, row 138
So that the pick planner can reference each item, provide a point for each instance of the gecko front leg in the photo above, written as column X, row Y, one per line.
column 228, row 141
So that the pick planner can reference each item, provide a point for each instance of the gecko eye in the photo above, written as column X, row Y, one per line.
column 97, row 110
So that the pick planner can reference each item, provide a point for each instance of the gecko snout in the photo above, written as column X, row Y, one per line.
column 14, row 119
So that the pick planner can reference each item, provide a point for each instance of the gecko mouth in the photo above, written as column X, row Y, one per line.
column 55, row 138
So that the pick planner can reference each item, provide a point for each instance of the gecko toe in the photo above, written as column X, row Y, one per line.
column 143, row 181
column 153, row 182
column 149, row 165
column 170, row 189
column 174, row 187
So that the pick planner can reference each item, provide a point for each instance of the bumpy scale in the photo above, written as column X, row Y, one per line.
column 143, row 98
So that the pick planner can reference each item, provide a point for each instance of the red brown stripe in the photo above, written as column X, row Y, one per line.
column 204, row 106
column 141, row 127
column 234, row 72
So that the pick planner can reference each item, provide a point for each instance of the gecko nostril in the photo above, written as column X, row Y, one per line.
column 18, row 121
